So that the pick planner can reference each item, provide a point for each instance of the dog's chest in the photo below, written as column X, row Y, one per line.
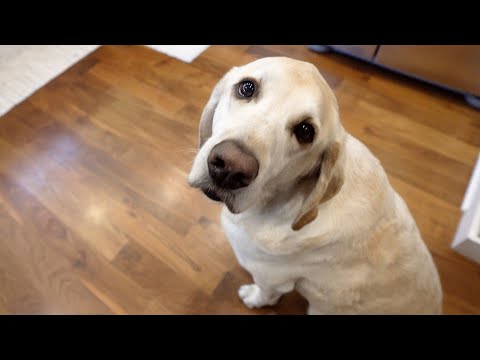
column 248, row 253
column 265, row 266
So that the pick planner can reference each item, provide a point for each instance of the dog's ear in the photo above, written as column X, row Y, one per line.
column 205, row 127
column 330, row 167
column 330, row 181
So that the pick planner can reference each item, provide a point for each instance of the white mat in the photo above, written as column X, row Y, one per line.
column 185, row 53
column 26, row 68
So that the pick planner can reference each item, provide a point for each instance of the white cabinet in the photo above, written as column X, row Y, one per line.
column 467, row 238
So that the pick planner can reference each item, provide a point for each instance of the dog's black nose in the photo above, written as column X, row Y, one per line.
column 231, row 165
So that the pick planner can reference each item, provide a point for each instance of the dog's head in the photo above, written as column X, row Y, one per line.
column 267, row 126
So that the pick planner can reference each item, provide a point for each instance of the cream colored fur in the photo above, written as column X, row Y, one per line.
column 321, row 218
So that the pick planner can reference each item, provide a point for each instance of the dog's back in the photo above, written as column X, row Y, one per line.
column 379, row 263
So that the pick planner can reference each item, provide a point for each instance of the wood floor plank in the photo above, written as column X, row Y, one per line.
column 174, row 292
column 419, row 134
column 75, row 206
column 77, row 258
column 62, row 292
column 115, row 218
column 439, row 116
column 18, row 293
column 88, row 174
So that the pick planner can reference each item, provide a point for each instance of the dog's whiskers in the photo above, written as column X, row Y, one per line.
column 187, row 149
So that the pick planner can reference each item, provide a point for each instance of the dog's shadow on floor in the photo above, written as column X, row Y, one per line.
column 225, row 300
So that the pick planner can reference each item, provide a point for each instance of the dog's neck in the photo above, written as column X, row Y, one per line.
column 270, row 225
column 280, row 206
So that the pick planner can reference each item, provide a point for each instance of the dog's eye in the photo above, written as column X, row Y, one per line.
column 304, row 132
column 246, row 88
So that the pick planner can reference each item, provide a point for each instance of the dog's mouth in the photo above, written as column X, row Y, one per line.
column 216, row 194
column 221, row 196
column 212, row 194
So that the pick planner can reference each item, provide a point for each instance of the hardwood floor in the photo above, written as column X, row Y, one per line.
column 96, row 215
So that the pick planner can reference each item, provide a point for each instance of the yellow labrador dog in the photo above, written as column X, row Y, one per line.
column 308, row 206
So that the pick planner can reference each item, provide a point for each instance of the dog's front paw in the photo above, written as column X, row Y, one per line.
column 252, row 296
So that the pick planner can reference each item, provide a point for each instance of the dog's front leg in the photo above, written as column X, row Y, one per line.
column 255, row 295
